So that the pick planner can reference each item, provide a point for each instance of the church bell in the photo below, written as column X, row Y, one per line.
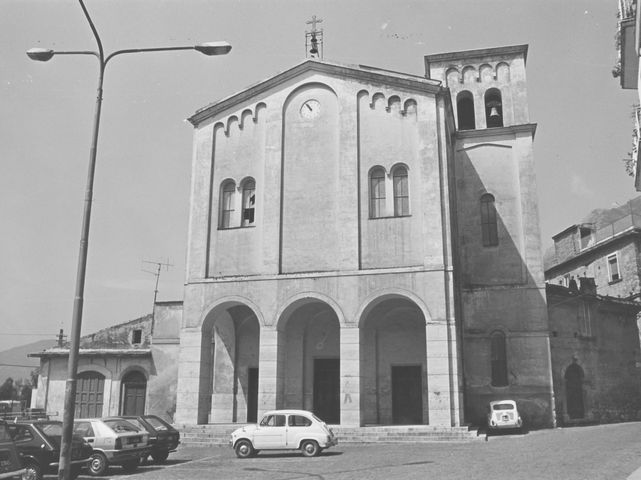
column 314, row 49
column 494, row 113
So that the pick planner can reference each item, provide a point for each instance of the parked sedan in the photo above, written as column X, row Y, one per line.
column 10, row 462
column 284, row 430
column 115, row 442
column 38, row 443
column 503, row 414
column 163, row 438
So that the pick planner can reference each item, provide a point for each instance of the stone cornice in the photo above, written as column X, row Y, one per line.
column 498, row 131
column 93, row 352
column 359, row 72
column 478, row 53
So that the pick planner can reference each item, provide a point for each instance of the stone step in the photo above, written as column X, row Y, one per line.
column 212, row 435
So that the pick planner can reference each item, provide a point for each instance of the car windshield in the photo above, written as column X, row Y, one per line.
column 503, row 406
column 157, row 423
column 119, row 425
column 51, row 429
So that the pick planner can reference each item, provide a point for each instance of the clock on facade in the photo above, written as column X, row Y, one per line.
column 310, row 109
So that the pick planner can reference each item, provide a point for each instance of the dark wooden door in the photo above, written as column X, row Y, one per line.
column 134, row 390
column 89, row 395
column 327, row 389
column 574, row 391
column 252, row 395
column 407, row 395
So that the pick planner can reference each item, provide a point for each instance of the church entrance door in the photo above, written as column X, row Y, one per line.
column 327, row 389
column 407, row 396
column 252, row 395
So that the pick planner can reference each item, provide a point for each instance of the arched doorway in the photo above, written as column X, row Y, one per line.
column 574, row 392
column 309, row 363
column 133, row 390
column 393, row 363
column 90, row 389
column 229, row 365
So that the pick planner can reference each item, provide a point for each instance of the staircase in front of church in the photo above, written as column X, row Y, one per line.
column 219, row 434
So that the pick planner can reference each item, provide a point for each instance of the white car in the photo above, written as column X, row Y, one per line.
column 284, row 430
column 503, row 414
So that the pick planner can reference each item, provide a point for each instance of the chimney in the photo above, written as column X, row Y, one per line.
column 588, row 285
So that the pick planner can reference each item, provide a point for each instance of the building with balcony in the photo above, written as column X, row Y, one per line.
column 627, row 69
column 606, row 247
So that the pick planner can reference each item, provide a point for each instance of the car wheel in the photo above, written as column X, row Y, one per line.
column 98, row 464
column 33, row 472
column 160, row 457
column 310, row 448
column 244, row 449
column 131, row 465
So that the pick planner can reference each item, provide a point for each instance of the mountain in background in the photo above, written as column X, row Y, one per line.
column 14, row 362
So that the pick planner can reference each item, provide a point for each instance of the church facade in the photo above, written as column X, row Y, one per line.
column 365, row 244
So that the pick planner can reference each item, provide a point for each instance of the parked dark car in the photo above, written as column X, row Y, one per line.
column 38, row 443
column 10, row 462
column 163, row 438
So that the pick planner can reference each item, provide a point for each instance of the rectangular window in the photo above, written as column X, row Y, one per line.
column 401, row 196
column 136, row 337
column 586, row 237
column 377, row 203
column 249, row 203
column 227, row 209
column 613, row 267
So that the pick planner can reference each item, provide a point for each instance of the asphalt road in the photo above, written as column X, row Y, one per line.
column 585, row 453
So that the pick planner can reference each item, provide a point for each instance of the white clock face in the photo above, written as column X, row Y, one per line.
column 310, row 109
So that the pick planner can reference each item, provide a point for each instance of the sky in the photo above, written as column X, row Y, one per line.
column 141, row 190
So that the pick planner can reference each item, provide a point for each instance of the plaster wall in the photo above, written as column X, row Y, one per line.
column 312, row 180
column 602, row 338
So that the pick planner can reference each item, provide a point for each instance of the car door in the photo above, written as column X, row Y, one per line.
column 271, row 433
column 298, row 427
column 85, row 430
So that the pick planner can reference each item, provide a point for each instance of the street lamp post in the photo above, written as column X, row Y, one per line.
column 41, row 54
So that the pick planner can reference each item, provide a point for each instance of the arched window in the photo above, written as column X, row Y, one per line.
column 249, row 202
column 227, row 194
column 499, row 359
column 133, row 391
column 574, row 391
column 493, row 108
column 401, row 192
column 489, row 228
column 465, row 111
column 89, row 395
column 377, row 193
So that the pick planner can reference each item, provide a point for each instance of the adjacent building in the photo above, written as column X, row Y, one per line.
column 127, row 369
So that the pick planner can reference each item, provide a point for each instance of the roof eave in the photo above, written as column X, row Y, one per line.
column 347, row 71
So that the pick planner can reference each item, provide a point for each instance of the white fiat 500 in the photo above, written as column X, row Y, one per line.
column 284, row 430
column 503, row 414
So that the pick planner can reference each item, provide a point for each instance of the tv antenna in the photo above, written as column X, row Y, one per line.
column 156, row 273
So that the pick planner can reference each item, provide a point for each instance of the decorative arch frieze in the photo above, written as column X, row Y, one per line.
column 392, row 104
column 469, row 75
column 234, row 121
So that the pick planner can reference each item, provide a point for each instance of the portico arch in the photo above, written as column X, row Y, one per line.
column 308, row 361
column 228, row 386
column 393, row 361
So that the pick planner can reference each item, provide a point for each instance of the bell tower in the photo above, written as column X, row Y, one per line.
column 498, row 268
column 487, row 86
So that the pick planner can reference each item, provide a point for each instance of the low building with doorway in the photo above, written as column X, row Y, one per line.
column 596, row 360
column 121, row 369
